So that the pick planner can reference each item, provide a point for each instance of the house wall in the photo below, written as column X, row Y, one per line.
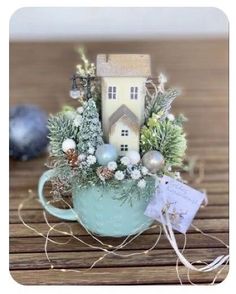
column 123, row 84
column 115, row 138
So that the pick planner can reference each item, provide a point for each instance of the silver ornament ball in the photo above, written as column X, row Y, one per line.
column 153, row 160
column 106, row 153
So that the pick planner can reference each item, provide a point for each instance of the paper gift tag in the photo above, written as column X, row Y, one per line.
column 181, row 201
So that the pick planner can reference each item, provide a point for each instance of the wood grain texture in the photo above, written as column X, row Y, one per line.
column 39, row 74
column 138, row 275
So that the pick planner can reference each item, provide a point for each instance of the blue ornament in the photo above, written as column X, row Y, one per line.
column 106, row 153
column 28, row 131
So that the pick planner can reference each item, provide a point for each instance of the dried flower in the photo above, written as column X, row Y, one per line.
column 142, row 184
column 78, row 120
column 125, row 160
column 91, row 159
column 91, row 150
column 144, row 170
column 112, row 165
column 135, row 174
column 119, row 175
column 80, row 109
column 81, row 157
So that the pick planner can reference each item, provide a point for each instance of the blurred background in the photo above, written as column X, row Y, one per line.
column 116, row 23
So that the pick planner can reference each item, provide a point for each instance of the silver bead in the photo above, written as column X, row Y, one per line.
column 153, row 161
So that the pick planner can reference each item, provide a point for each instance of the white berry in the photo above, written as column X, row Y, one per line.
column 68, row 144
column 171, row 117
column 112, row 165
column 119, row 175
column 142, row 184
column 135, row 174
column 80, row 109
column 133, row 156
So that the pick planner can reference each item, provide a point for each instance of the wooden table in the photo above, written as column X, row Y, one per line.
column 39, row 74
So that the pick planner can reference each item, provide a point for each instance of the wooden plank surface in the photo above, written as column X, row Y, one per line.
column 39, row 74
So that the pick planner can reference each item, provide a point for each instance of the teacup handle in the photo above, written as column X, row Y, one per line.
column 66, row 214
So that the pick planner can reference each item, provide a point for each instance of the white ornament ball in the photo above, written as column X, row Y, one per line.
column 153, row 160
column 171, row 117
column 68, row 144
column 133, row 156
column 106, row 153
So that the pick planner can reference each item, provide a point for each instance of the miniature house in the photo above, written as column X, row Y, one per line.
column 123, row 78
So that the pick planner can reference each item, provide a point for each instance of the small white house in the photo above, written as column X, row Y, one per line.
column 123, row 78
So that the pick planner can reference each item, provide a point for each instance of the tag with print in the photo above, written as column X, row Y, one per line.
column 178, row 199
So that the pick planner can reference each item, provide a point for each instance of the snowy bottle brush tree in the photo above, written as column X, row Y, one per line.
column 90, row 133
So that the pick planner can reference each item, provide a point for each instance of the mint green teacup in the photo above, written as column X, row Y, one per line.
column 98, row 211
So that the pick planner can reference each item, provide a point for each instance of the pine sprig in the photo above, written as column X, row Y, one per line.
column 180, row 120
column 60, row 127
column 166, row 137
column 161, row 103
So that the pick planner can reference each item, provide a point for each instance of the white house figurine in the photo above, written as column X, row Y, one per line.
column 123, row 78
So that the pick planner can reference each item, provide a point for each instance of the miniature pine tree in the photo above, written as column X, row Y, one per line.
column 90, row 133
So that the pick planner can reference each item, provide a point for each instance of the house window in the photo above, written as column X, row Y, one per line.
column 134, row 93
column 124, row 147
column 124, row 133
column 111, row 92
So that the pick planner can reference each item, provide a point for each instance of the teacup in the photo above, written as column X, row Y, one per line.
column 98, row 209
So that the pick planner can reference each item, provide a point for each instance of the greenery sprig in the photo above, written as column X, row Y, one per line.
column 161, row 103
column 165, row 136
column 61, row 126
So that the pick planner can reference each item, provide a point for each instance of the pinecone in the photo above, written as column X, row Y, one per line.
column 104, row 173
column 72, row 157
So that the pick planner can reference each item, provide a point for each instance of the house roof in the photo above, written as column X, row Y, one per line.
column 123, row 113
column 126, row 65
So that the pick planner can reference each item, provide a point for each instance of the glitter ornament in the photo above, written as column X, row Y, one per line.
column 153, row 160
column 106, row 153
column 68, row 144
column 133, row 156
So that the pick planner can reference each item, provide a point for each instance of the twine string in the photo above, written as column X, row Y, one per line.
column 177, row 260
column 150, row 96
column 130, row 238
column 109, row 249
column 171, row 237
